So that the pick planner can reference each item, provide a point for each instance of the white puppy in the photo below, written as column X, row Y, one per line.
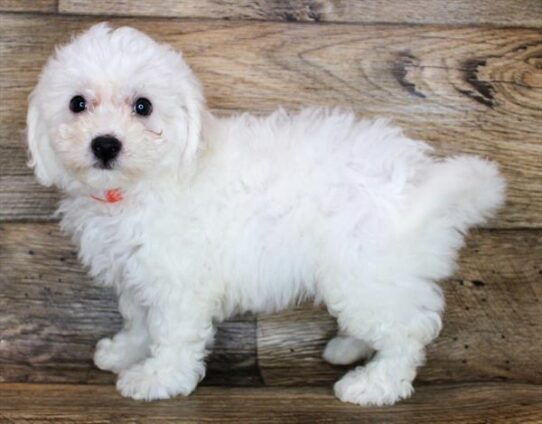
column 193, row 218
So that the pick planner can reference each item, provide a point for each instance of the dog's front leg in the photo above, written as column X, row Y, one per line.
column 179, row 330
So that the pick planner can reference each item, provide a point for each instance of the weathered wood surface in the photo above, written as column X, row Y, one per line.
column 461, row 12
column 52, row 317
column 28, row 5
column 474, row 90
column 494, row 403
column 524, row 13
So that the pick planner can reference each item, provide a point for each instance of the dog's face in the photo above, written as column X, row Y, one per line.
column 111, row 108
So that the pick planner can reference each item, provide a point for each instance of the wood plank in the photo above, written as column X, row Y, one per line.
column 458, row 12
column 492, row 318
column 495, row 403
column 52, row 316
column 471, row 90
column 21, row 196
column 28, row 5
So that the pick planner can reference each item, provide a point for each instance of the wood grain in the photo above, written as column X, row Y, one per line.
column 494, row 403
column 52, row 316
column 28, row 5
column 493, row 316
column 472, row 90
column 458, row 12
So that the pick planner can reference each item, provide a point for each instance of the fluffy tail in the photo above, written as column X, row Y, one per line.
column 461, row 192
column 450, row 197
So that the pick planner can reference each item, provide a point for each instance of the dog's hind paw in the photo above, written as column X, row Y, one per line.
column 118, row 353
column 343, row 350
column 366, row 386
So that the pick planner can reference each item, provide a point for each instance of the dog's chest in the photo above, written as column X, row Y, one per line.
column 107, row 245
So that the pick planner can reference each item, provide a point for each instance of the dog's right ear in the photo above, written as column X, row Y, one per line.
column 42, row 156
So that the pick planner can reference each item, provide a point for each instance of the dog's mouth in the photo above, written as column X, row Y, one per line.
column 101, row 175
column 108, row 166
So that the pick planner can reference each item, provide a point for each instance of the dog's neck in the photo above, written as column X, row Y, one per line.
column 146, row 188
column 113, row 195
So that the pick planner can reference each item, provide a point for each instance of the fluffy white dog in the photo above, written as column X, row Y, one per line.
column 193, row 218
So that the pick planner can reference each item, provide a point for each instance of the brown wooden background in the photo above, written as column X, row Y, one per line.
column 465, row 75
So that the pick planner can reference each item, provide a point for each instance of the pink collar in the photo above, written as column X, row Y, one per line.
column 113, row 195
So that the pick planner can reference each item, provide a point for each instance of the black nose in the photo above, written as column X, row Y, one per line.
column 106, row 148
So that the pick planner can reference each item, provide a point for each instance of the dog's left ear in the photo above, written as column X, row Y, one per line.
column 42, row 156
column 192, row 108
column 194, row 105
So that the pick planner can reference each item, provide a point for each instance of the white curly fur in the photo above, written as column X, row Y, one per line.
column 221, row 216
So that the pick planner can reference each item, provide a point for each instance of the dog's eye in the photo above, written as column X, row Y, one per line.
column 143, row 106
column 78, row 104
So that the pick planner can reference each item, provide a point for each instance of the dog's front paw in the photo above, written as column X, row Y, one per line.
column 367, row 386
column 152, row 381
column 118, row 353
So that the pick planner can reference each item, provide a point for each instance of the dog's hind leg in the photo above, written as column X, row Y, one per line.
column 398, row 328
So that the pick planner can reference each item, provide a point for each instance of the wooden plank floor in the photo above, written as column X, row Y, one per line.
column 496, row 12
column 474, row 403
column 464, row 75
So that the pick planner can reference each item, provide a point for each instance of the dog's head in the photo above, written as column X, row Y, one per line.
column 111, row 108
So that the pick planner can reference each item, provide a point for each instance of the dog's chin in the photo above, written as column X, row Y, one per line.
column 99, row 178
